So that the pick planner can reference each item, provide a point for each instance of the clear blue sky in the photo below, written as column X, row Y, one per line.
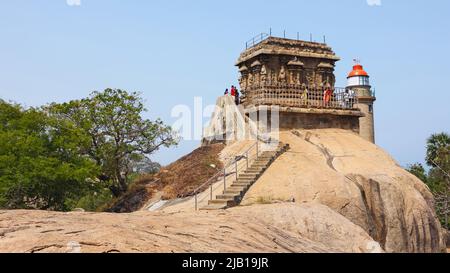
column 172, row 51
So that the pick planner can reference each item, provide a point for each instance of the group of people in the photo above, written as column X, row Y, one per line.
column 327, row 95
column 234, row 93
column 349, row 98
column 346, row 99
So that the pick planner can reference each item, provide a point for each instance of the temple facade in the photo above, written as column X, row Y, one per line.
column 284, row 62
column 298, row 77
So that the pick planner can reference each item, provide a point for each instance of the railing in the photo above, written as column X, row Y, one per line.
column 256, row 40
column 237, row 165
column 301, row 97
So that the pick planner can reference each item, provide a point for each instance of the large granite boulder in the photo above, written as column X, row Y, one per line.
column 360, row 181
column 262, row 228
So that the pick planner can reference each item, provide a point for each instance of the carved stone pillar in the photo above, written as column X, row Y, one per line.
column 243, row 80
column 263, row 75
column 282, row 77
column 326, row 70
column 256, row 68
column 295, row 68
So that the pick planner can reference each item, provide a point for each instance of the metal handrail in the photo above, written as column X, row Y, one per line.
column 301, row 96
column 234, row 162
column 256, row 40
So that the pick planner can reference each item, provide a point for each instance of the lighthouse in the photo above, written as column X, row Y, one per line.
column 359, row 83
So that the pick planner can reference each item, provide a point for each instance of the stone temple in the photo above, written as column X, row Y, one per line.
column 290, row 84
column 294, row 75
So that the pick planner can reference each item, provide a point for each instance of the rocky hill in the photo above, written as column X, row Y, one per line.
column 358, row 180
column 331, row 192
column 262, row 228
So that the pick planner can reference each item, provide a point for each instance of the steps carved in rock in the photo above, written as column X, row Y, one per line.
column 233, row 195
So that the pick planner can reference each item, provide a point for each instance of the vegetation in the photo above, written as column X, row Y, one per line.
column 76, row 154
column 438, row 176
column 171, row 181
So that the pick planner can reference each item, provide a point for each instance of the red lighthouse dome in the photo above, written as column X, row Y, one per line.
column 358, row 76
column 358, row 70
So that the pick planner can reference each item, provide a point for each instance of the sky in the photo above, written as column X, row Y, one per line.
column 174, row 50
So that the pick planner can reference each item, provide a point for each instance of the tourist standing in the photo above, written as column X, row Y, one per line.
column 327, row 94
column 347, row 103
column 226, row 92
column 237, row 97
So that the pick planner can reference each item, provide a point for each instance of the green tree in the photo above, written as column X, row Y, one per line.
column 419, row 171
column 40, row 161
column 118, row 135
column 438, row 177
column 438, row 158
column 438, row 150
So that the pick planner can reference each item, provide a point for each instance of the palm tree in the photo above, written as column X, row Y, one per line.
column 438, row 150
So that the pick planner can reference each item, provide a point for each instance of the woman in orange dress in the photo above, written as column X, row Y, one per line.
column 327, row 96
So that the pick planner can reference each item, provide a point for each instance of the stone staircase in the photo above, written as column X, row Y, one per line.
column 233, row 195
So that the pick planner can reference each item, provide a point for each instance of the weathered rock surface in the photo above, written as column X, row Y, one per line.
column 331, row 192
column 360, row 181
column 315, row 222
column 260, row 228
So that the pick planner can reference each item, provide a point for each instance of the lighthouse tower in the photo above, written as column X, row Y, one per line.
column 358, row 82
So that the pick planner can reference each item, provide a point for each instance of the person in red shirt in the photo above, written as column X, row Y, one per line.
column 233, row 91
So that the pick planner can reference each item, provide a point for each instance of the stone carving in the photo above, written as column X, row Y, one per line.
column 297, row 79
column 257, row 79
column 282, row 75
column 273, row 77
column 263, row 74
column 319, row 78
column 250, row 81
column 277, row 62
column 309, row 78
column 242, row 83
column 291, row 77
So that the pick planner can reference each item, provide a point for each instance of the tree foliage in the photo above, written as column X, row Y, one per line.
column 438, row 150
column 438, row 176
column 119, row 136
column 419, row 171
column 40, row 161
column 78, row 153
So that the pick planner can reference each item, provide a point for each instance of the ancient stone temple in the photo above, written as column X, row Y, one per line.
column 298, row 77
column 284, row 62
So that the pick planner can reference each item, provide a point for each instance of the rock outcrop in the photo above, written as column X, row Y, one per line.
column 360, row 181
column 261, row 228
column 331, row 192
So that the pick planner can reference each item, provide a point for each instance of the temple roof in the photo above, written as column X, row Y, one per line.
column 282, row 46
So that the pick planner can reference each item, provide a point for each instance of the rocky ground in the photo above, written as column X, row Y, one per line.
column 259, row 228
column 331, row 192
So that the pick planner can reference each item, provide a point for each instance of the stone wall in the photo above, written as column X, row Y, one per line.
column 318, row 121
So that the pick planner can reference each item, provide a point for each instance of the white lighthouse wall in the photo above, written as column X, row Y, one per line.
column 358, row 81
